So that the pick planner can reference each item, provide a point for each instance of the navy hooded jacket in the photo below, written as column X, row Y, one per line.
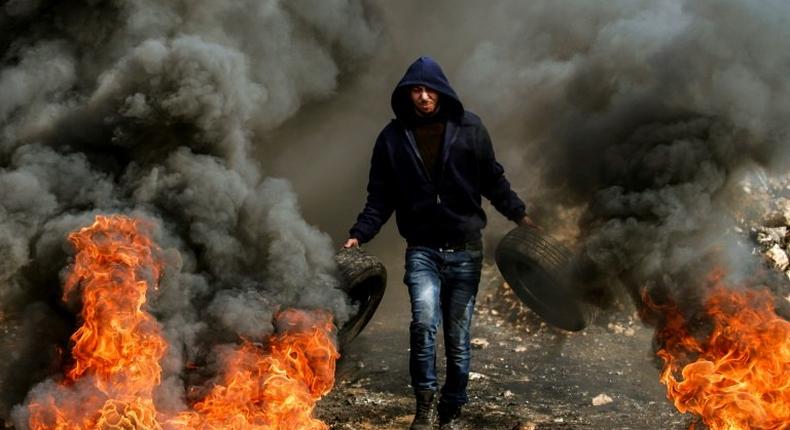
column 446, row 210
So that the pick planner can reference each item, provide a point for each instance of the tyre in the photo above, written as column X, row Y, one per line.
column 538, row 268
column 364, row 279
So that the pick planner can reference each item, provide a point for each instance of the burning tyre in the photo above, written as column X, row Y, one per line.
column 537, row 268
column 364, row 280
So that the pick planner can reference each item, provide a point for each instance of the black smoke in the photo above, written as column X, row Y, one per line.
column 638, row 121
column 152, row 109
column 626, row 125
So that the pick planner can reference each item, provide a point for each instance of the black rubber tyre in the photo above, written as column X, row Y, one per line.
column 364, row 279
column 538, row 270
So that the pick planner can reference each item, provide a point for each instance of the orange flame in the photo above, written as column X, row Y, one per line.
column 277, row 390
column 739, row 376
column 119, row 345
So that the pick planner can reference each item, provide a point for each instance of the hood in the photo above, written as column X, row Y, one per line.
column 425, row 71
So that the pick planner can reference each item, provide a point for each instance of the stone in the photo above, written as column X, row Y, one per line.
column 601, row 399
column 778, row 257
column 474, row 376
column 479, row 343
column 769, row 236
column 784, row 207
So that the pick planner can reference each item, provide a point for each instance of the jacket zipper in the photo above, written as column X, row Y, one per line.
column 424, row 169
column 416, row 151
column 445, row 156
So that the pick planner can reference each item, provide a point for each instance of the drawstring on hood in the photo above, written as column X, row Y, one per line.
column 425, row 71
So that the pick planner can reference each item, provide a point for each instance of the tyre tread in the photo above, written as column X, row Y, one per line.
column 549, row 261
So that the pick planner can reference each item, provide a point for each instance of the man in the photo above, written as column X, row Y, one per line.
column 431, row 165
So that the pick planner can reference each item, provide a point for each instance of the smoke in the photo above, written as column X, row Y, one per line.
column 627, row 123
column 642, row 118
column 626, row 126
column 153, row 109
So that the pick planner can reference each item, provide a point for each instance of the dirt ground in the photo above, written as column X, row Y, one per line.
column 526, row 375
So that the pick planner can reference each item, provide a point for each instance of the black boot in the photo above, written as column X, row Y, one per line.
column 450, row 417
column 423, row 419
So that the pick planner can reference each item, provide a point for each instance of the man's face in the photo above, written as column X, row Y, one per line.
column 425, row 99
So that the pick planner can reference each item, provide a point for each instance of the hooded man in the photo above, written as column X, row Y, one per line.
column 431, row 165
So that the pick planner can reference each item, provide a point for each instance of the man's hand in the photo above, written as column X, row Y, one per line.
column 351, row 242
column 527, row 221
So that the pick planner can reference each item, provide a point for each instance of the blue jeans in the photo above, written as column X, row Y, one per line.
column 442, row 286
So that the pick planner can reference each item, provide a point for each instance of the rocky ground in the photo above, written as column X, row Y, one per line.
column 527, row 375
column 767, row 222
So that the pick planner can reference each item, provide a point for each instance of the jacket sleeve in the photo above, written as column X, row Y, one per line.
column 379, row 205
column 493, row 184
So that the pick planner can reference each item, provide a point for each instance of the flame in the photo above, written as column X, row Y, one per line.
column 738, row 377
column 274, row 390
column 118, row 347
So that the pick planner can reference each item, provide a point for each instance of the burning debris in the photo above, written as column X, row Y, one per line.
column 738, row 376
column 643, row 121
column 152, row 110
column 728, row 363
column 118, row 347
column 276, row 388
column 636, row 122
